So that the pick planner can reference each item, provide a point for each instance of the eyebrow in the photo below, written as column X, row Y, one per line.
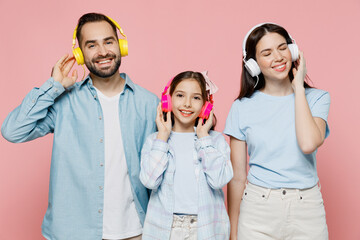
column 269, row 49
column 181, row 91
column 94, row 41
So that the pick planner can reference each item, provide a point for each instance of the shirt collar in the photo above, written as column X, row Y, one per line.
column 128, row 82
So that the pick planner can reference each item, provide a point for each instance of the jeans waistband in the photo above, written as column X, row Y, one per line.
column 184, row 220
column 283, row 193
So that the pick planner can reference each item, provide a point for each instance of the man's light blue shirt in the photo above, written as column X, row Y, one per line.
column 76, row 196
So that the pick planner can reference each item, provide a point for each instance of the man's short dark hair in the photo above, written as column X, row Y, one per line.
column 92, row 17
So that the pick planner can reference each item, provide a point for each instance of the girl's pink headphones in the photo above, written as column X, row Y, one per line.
column 166, row 103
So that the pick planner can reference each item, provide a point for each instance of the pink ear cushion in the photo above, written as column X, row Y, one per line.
column 205, row 111
column 166, row 103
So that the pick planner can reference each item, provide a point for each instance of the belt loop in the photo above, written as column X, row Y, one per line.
column 319, row 185
column 298, row 191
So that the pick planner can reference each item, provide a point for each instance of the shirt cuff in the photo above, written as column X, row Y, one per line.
column 160, row 145
column 204, row 142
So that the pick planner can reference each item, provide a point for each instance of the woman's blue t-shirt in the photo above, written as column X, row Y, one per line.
column 267, row 124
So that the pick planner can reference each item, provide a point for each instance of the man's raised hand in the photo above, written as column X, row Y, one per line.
column 61, row 70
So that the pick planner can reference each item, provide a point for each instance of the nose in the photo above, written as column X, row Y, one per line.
column 102, row 50
column 187, row 102
column 278, row 56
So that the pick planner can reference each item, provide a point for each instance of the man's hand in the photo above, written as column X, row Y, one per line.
column 61, row 70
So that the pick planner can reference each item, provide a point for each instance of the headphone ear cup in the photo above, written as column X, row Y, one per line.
column 252, row 67
column 205, row 110
column 294, row 50
column 123, row 47
column 166, row 103
column 79, row 57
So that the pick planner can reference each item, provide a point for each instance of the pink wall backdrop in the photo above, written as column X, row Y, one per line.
column 165, row 38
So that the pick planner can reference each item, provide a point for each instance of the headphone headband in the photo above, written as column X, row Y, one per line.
column 112, row 20
column 251, row 65
column 166, row 104
column 167, row 87
column 252, row 29
column 123, row 44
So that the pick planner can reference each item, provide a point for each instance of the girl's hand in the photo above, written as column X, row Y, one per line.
column 202, row 130
column 299, row 73
column 164, row 127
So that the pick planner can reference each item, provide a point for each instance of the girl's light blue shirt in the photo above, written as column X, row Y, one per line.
column 213, row 170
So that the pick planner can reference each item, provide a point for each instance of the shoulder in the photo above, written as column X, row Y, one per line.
column 314, row 94
column 217, row 136
column 246, row 101
column 138, row 90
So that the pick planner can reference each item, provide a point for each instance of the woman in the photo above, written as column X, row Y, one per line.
column 281, row 121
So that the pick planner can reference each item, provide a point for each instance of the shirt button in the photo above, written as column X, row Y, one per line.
column 100, row 187
column 100, row 211
column 101, row 164
column 100, row 118
column 101, row 140
column 94, row 96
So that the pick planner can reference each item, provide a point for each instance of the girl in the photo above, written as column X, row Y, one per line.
column 281, row 121
column 186, row 168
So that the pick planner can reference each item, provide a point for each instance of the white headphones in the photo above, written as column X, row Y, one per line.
column 251, row 65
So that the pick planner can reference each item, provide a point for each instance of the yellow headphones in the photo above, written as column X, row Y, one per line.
column 123, row 44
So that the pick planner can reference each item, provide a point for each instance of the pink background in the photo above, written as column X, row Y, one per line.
column 165, row 38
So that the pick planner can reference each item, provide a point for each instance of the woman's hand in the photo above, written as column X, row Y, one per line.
column 299, row 73
column 164, row 127
column 202, row 130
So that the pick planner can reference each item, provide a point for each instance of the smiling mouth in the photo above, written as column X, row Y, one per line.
column 280, row 68
column 104, row 61
column 186, row 113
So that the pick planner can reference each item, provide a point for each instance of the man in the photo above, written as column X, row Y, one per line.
column 99, row 126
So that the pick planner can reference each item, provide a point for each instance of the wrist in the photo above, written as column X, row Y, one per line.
column 163, row 136
column 298, row 89
column 201, row 134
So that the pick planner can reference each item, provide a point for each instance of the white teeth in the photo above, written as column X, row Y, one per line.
column 186, row 112
column 106, row 61
column 281, row 66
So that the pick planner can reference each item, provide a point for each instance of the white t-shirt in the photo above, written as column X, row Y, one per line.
column 120, row 219
column 185, row 183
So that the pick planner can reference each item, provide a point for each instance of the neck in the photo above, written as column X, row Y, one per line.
column 189, row 128
column 110, row 86
column 277, row 88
